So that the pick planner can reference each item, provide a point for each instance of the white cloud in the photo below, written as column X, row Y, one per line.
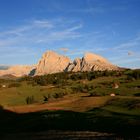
column 42, row 24
column 129, row 44
column 39, row 31
column 89, row 10
column 75, row 28
column 34, row 37
column 33, row 25
column 67, row 33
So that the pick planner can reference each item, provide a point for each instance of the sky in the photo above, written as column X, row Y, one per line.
column 110, row 28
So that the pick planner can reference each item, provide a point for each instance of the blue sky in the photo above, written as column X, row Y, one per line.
column 110, row 28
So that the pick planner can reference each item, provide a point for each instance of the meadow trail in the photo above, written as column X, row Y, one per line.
column 78, row 103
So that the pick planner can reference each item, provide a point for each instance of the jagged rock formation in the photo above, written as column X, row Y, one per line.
column 75, row 66
column 51, row 62
column 18, row 70
column 91, row 62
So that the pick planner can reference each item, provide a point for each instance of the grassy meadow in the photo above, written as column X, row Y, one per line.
column 71, row 102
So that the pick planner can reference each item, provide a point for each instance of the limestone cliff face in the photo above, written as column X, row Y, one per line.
column 91, row 62
column 17, row 70
column 75, row 66
column 52, row 62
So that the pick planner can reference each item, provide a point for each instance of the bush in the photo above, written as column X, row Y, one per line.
column 59, row 82
column 133, row 74
column 58, row 95
column 45, row 98
column 41, row 80
column 130, row 78
column 94, row 94
column 78, row 88
column 68, row 91
column 136, row 74
column 91, row 76
column 30, row 100
column 137, row 94
column 88, row 87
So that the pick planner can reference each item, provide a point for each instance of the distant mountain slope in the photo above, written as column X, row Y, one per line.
column 18, row 70
column 51, row 62
column 4, row 67
column 91, row 62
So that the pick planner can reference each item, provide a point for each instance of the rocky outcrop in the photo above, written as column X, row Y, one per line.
column 18, row 70
column 75, row 66
column 51, row 62
column 91, row 62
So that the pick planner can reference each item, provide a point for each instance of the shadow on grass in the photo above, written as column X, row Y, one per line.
column 97, row 119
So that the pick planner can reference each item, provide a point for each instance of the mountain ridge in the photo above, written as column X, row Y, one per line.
column 52, row 62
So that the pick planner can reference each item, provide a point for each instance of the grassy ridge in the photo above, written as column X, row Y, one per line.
column 15, row 93
column 80, row 102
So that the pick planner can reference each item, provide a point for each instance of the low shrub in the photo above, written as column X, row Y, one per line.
column 94, row 94
column 78, row 88
column 45, row 98
column 137, row 94
column 133, row 74
column 68, row 91
column 30, row 100
column 58, row 95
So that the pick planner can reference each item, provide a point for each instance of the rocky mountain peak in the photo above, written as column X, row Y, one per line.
column 91, row 57
column 51, row 62
column 76, row 60
column 91, row 62
column 49, row 54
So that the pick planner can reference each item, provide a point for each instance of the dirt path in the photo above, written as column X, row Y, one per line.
column 56, row 105
column 78, row 104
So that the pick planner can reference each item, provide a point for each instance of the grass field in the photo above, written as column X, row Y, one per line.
column 75, row 106
column 103, row 85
